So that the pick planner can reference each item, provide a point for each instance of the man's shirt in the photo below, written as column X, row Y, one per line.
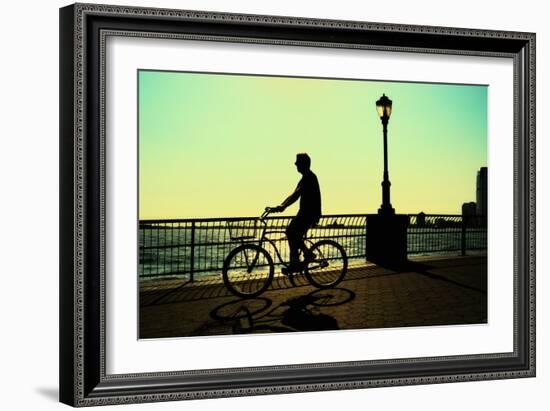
column 310, row 197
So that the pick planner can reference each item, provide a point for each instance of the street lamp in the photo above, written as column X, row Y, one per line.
column 383, row 107
column 386, row 239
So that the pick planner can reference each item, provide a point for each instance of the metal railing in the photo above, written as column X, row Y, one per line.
column 438, row 233
column 197, row 247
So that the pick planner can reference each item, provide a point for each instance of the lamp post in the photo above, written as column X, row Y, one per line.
column 384, row 107
column 386, row 238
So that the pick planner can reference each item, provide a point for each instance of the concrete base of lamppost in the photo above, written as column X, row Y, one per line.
column 386, row 242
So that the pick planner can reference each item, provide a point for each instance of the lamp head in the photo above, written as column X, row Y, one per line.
column 383, row 107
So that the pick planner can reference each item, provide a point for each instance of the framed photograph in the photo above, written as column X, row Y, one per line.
column 262, row 204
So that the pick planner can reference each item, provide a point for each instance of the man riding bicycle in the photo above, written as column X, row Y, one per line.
column 308, row 215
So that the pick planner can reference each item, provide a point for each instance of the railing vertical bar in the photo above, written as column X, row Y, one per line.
column 207, row 235
column 217, row 247
column 150, row 241
column 182, row 250
column 171, row 248
column 176, row 245
column 162, row 240
column 157, row 239
column 463, row 237
column 192, row 254
column 432, row 242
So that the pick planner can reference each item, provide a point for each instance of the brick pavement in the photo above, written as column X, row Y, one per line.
column 442, row 291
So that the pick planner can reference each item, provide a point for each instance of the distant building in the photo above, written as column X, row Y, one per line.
column 481, row 192
column 469, row 209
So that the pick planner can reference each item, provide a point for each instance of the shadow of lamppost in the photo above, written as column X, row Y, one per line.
column 386, row 241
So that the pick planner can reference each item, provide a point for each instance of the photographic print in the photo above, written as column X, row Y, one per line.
column 272, row 204
column 234, row 181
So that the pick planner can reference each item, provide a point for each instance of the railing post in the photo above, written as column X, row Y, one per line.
column 192, row 258
column 463, row 236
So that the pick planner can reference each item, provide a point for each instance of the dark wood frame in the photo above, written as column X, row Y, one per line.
column 83, row 29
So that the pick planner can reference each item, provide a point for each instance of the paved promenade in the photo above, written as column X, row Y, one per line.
column 442, row 291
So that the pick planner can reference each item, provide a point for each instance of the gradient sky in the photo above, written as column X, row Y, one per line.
column 213, row 145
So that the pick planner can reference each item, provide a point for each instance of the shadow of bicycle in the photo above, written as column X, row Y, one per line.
column 301, row 313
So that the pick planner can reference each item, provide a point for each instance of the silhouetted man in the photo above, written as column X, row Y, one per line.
column 310, row 211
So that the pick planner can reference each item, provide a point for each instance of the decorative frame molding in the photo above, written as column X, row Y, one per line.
column 83, row 32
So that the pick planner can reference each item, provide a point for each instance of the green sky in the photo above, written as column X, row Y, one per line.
column 213, row 145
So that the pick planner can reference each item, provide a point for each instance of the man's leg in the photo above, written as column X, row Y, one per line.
column 308, row 255
column 291, row 235
column 295, row 232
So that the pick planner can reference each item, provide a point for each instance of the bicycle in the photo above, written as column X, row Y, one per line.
column 248, row 269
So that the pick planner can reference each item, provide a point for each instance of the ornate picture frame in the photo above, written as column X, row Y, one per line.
column 84, row 30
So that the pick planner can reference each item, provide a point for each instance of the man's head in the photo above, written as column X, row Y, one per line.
column 303, row 162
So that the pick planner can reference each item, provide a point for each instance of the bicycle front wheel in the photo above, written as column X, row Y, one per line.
column 329, row 266
column 248, row 270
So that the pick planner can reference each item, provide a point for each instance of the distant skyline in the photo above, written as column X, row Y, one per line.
column 218, row 145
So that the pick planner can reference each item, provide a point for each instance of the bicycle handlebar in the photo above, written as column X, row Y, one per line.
column 267, row 211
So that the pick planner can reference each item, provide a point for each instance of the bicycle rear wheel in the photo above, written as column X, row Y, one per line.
column 329, row 266
column 248, row 270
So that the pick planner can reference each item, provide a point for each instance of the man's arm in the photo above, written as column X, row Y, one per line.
column 291, row 199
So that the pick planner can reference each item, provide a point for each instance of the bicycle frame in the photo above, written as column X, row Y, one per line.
column 264, row 238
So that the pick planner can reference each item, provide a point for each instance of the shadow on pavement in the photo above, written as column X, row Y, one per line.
column 424, row 269
column 301, row 313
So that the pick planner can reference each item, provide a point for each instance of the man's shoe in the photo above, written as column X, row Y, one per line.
column 309, row 256
column 291, row 268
